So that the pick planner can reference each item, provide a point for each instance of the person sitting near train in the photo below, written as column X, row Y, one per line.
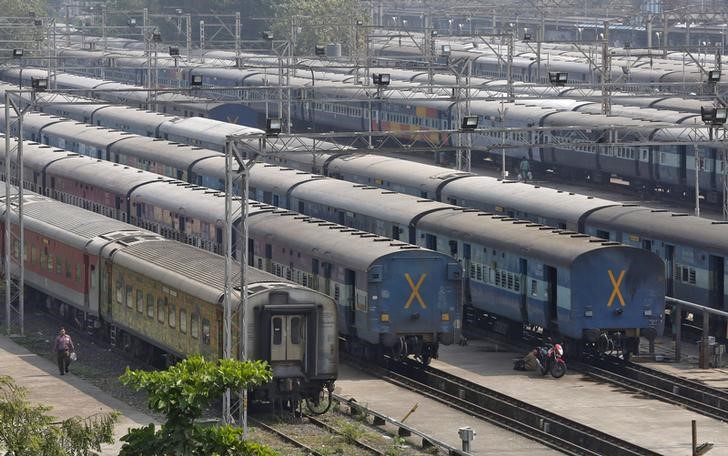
column 530, row 362
column 64, row 347
column 525, row 170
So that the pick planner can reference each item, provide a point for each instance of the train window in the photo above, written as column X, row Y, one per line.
column 206, row 331
column 34, row 257
column 453, row 247
column 161, row 309
column 59, row 266
column 472, row 271
column 533, row 288
column 172, row 316
column 69, row 271
column 296, row 330
column 183, row 321
column 140, row 301
column 51, row 261
column 195, row 326
column 337, row 293
column 479, row 272
column 78, row 273
column 692, row 276
column 277, row 330
column 119, row 291
column 129, row 298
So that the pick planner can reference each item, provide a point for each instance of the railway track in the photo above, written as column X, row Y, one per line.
column 547, row 428
column 660, row 385
column 297, row 440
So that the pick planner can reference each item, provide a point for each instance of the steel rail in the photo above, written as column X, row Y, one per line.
column 545, row 427
column 695, row 396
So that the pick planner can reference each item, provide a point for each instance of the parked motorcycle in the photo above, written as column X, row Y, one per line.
column 546, row 359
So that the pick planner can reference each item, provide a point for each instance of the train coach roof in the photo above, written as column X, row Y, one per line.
column 355, row 248
column 411, row 174
column 99, row 137
column 670, row 227
column 519, row 237
column 208, row 130
column 371, row 202
column 177, row 155
column 195, row 271
column 531, row 199
column 68, row 224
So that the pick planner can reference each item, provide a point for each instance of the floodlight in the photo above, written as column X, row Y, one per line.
column 196, row 80
column 713, row 116
column 713, row 76
column 526, row 37
column 267, row 35
column 173, row 51
column 273, row 126
column 37, row 22
column 469, row 123
column 39, row 84
column 445, row 50
column 17, row 53
column 558, row 78
column 381, row 79
column 156, row 37
column 319, row 50
column 131, row 22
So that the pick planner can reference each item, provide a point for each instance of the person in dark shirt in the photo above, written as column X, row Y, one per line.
column 64, row 347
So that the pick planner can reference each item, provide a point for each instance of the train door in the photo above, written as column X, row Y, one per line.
column 682, row 154
column 315, row 273
column 523, row 271
column 716, row 284
column 467, row 256
column 327, row 278
column 251, row 252
column 269, row 258
column 349, row 294
column 669, row 268
column 551, row 278
column 288, row 336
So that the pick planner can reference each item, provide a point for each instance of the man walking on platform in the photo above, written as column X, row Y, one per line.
column 64, row 347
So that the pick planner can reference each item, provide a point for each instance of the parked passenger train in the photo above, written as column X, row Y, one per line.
column 368, row 276
column 696, row 266
column 160, row 298
column 663, row 168
column 530, row 273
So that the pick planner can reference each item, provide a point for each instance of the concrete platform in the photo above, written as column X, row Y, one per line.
column 68, row 395
column 688, row 365
column 432, row 417
column 653, row 424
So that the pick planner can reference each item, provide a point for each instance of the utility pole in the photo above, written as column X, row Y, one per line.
column 188, row 21
column 14, row 264
column 606, row 73
column 237, row 39
column 202, row 41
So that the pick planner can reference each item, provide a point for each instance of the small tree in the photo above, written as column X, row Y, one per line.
column 27, row 429
column 181, row 393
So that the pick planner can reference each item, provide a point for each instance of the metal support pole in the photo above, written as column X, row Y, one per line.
column 68, row 27
column 202, row 41
column 678, row 331
column 237, row 39
column 697, row 180
column 228, row 271
column 509, row 68
column 14, row 289
column 538, row 62
column 725, row 183
column 703, row 357
column 188, row 20
column 103, row 27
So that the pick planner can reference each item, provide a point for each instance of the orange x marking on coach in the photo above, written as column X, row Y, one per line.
column 615, row 285
column 415, row 290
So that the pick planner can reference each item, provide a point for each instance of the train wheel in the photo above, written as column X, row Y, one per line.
column 321, row 404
